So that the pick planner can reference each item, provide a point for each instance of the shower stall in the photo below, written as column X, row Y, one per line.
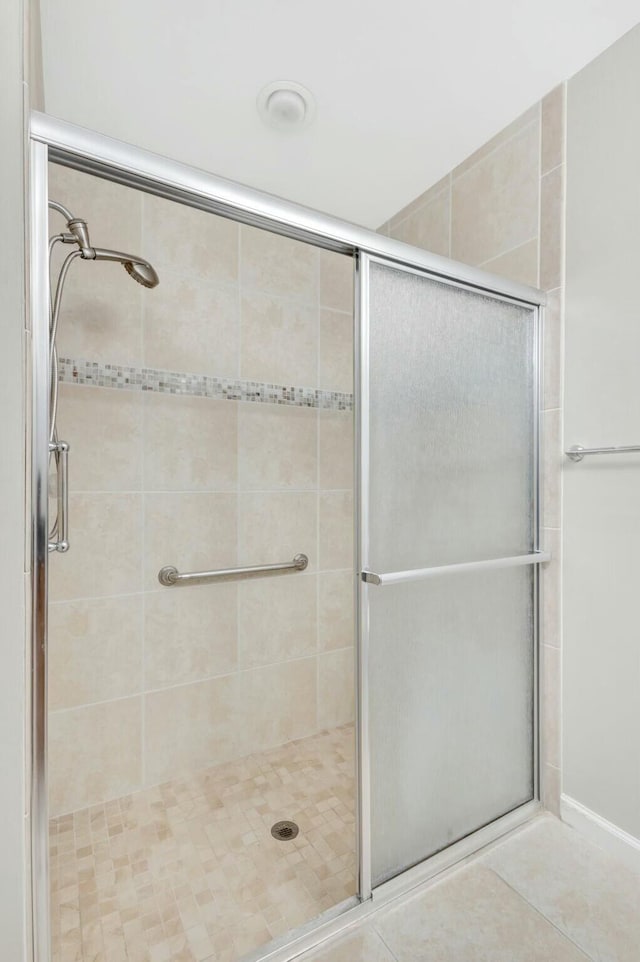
column 285, row 562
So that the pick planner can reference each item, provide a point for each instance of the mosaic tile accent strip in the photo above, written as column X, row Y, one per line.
column 93, row 373
column 189, row 870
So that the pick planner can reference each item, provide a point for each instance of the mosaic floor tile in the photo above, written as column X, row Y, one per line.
column 189, row 870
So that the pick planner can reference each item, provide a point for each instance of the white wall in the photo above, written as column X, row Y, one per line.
column 12, row 637
column 601, row 639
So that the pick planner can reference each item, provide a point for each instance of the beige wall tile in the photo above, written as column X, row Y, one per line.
column 550, row 721
column 192, row 325
column 552, row 468
column 427, row 227
column 520, row 264
column 112, row 211
column 100, row 317
column 105, row 532
column 276, row 526
column 277, row 619
column 277, row 447
column 336, row 530
column 498, row 924
column 94, row 754
column 279, row 340
column 495, row 203
column 104, row 430
column 190, row 242
column 553, row 129
column 180, row 454
column 94, row 650
column 278, row 265
column 552, row 396
column 190, row 634
column 194, row 532
column 551, row 589
column 551, row 203
column 336, row 688
column 336, row 281
column 277, row 703
column 191, row 727
column 190, row 443
column 336, row 599
column 336, row 449
column 507, row 133
column 422, row 200
column 336, row 351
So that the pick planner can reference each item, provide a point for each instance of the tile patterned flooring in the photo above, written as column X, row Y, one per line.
column 545, row 894
column 189, row 870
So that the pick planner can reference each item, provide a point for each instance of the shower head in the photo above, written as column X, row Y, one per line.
column 142, row 272
column 136, row 267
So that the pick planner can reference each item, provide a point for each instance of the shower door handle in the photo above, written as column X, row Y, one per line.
column 61, row 451
column 421, row 574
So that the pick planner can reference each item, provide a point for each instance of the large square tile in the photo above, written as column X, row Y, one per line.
column 583, row 891
column 473, row 916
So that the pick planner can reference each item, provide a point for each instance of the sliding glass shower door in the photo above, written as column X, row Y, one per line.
column 448, row 542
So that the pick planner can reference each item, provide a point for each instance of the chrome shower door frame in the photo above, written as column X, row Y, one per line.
column 368, row 580
column 84, row 150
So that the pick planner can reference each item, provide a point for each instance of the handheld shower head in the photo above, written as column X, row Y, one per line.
column 142, row 272
column 136, row 267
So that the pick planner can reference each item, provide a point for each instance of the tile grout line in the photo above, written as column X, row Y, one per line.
column 509, row 250
column 493, row 150
column 197, row 681
column 422, row 208
column 375, row 928
column 540, row 913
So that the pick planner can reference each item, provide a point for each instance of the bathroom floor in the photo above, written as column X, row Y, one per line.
column 189, row 870
column 545, row 894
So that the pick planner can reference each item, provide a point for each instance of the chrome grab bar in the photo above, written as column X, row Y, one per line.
column 61, row 451
column 577, row 452
column 169, row 575
column 420, row 574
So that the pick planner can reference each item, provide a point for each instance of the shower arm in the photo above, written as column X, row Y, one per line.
column 61, row 209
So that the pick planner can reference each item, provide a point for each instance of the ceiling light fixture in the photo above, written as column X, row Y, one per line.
column 285, row 105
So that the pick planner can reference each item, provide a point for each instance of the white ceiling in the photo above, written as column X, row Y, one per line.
column 405, row 89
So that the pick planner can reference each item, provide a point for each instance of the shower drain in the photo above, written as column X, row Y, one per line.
column 284, row 831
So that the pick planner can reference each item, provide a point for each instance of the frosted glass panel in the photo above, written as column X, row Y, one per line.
column 451, row 710
column 451, row 477
column 451, row 423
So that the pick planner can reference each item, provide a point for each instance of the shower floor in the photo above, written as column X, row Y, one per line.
column 188, row 870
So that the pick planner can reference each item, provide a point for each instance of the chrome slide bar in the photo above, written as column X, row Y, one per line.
column 61, row 451
column 169, row 575
column 577, row 452
column 420, row 574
